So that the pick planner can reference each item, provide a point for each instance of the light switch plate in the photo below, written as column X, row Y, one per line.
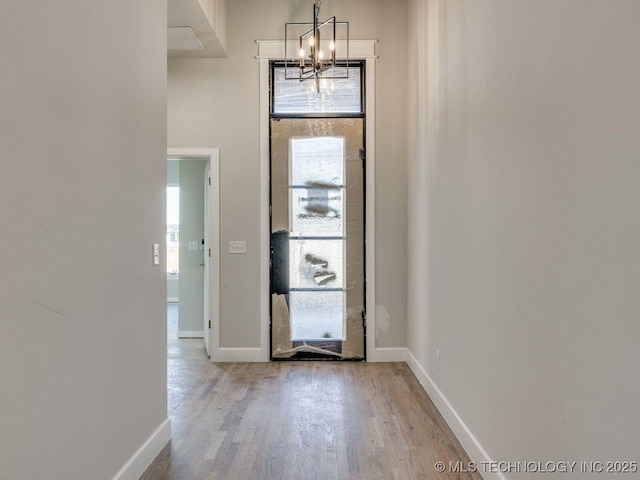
column 156, row 254
column 237, row 246
column 193, row 246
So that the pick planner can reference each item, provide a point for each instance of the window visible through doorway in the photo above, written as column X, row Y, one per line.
column 173, row 231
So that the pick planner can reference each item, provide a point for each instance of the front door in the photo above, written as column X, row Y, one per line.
column 317, row 240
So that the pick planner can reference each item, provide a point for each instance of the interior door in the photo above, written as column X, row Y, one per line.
column 207, row 259
column 317, row 241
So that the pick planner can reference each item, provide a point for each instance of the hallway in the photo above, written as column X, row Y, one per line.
column 304, row 420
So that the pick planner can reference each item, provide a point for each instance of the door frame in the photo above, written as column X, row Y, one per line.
column 358, row 50
column 212, row 296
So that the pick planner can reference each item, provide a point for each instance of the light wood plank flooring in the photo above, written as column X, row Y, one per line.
column 304, row 421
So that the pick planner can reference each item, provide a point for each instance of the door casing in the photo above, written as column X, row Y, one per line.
column 359, row 50
column 212, row 261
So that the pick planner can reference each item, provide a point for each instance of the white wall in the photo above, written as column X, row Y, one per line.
column 215, row 102
column 173, row 289
column 524, row 199
column 83, row 175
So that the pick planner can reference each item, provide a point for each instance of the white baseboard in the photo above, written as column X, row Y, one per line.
column 466, row 438
column 387, row 355
column 238, row 355
column 190, row 334
column 173, row 300
column 140, row 461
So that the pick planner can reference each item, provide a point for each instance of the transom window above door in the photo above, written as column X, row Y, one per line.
column 336, row 96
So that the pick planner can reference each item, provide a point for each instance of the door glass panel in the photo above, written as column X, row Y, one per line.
column 317, row 177
column 318, row 317
column 316, row 264
column 317, row 160
column 317, row 211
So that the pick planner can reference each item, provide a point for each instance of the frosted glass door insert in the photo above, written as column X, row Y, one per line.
column 318, row 205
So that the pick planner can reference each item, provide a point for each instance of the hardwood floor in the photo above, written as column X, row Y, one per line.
column 304, row 421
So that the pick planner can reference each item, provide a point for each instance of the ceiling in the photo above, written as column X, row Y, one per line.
column 191, row 31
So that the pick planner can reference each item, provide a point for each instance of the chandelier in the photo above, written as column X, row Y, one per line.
column 313, row 56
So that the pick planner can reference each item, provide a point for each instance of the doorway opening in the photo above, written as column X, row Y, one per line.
column 192, row 248
column 317, row 199
column 185, row 257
